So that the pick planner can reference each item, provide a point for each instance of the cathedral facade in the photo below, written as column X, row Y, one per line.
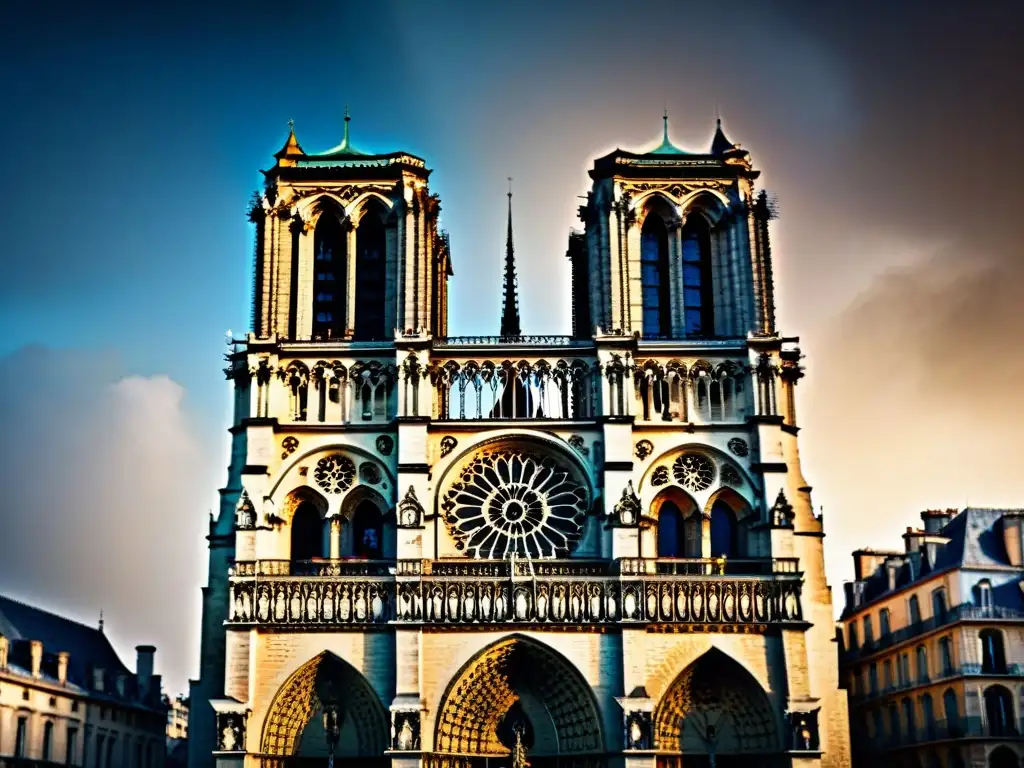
column 585, row 550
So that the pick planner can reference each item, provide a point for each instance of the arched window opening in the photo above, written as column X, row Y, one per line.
column 894, row 724
column 928, row 713
column 330, row 266
column 48, row 742
column 946, row 655
column 703, row 400
column 693, row 534
column 914, row 610
column 1003, row 757
column 922, row 664
column 368, row 531
column 873, row 678
column 670, row 531
column 956, row 760
column 371, row 275
column 654, row 279
column 939, row 604
column 951, row 711
column 984, row 591
column 698, row 311
column 852, row 629
column 908, row 718
column 999, row 711
column 993, row 655
column 723, row 530
column 715, row 398
column 307, row 532
column 884, row 627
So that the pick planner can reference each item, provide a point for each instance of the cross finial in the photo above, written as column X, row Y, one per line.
column 101, row 620
column 346, row 113
column 664, row 117
column 510, row 186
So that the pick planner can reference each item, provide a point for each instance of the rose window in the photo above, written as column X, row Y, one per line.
column 512, row 503
column 335, row 473
column 694, row 471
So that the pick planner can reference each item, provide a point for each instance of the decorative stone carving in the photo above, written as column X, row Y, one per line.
column 782, row 511
column 803, row 731
column 739, row 446
column 627, row 510
column 288, row 446
column 644, row 448
column 694, row 471
column 410, row 511
column 335, row 473
column 577, row 443
column 231, row 731
column 385, row 445
column 731, row 476
column 638, row 730
column 660, row 476
column 511, row 502
column 369, row 473
column 405, row 731
column 245, row 513
column 448, row 444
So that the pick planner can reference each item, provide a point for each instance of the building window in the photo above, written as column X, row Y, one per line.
column 71, row 751
column 329, row 275
column 999, row 711
column 993, row 657
column 869, row 634
column 697, row 305
column 928, row 713
column 307, row 535
column 723, row 530
column 371, row 274
column 74, row 705
column 894, row 724
column 922, row 664
column 368, row 530
column 887, row 674
column 985, row 595
column 914, row 610
column 908, row 718
column 946, row 655
column 951, row 710
column 852, row 631
column 20, row 737
column 100, row 751
column 939, row 604
column 654, row 279
column 883, row 622
column 47, row 741
column 25, row 695
column 904, row 669
column 873, row 678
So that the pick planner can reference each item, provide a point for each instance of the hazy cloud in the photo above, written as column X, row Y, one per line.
column 105, row 478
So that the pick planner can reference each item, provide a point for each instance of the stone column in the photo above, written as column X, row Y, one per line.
column 335, row 540
column 351, row 278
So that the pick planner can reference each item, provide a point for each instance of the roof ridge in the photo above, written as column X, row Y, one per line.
column 50, row 613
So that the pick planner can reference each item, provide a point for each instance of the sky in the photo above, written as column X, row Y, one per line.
column 134, row 135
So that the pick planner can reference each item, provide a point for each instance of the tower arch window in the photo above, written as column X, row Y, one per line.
column 698, row 309
column 723, row 530
column 307, row 535
column 371, row 274
column 999, row 711
column 654, row 279
column 368, row 531
column 330, row 267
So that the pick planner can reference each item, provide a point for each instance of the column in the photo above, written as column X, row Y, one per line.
column 351, row 278
column 335, row 538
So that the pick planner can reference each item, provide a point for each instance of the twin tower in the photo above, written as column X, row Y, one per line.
column 590, row 550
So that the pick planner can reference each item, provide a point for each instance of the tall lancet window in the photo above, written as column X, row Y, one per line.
column 371, row 274
column 657, row 318
column 329, row 269
column 697, row 305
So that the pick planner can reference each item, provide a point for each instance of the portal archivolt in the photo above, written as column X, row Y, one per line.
column 519, row 679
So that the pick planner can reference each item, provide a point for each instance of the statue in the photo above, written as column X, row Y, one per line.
column 519, row 750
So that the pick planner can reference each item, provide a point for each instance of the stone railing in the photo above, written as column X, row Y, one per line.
column 520, row 593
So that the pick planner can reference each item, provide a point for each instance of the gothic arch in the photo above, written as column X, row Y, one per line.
column 370, row 201
column 658, row 203
column 297, row 496
column 716, row 691
column 709, row 203
column 309, row 459
column 365, row 722
column 530, row 678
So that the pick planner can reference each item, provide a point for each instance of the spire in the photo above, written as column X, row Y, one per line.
column 345, row 148
column 510, row 305
column 666, row 147
column 291, row 149
column 101, row 620
column 720, row 144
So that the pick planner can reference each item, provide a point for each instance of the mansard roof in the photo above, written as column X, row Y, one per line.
column 88, row 647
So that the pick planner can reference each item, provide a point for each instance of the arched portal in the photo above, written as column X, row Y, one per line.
column 518, row 681
column 716, row 706
column 293, row 726
column 1003, row 757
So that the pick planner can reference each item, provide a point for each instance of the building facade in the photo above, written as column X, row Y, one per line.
column 589, row 550
column 67, row 699
column 934, row 644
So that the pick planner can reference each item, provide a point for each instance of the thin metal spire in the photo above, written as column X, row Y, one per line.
column 347, row 120
column 510, row 306
column 664, row 118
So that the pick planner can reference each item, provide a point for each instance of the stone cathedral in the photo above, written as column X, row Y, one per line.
column 592, row 550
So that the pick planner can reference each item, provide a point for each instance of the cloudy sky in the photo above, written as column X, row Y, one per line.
column 133, row 136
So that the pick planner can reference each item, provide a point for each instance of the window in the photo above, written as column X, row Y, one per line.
column 869, row 635
column 71, row 752
column 25, row 695
column 946, row 655
column 939, row 604
column 928, row 713
column 873, row 678
column 138, row 754
column 368, row 531
column 329, row 275
column 985, row 595
column 698, row 311
column 723, row 530
column 852, row 629
column 20, row 737
column 307, row 532
column 922, row 664
column 951, row 711
column 371, row 274
column 887, row 674
column 908, row 718
column 894, row 724
column 654, row 278
column 883, row 622
column 993, row 657
column 999, row 711
column 100, row 751
column 670, row 531
column 47, row 741
column 74, row 705
column 904, row 669
column 879, row 719
column 914, row 610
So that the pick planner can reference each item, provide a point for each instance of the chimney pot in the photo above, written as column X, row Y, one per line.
column 37, row 658
column 62, row 667
column 4, row 646
column 144, row 669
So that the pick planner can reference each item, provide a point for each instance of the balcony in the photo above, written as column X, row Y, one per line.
column 944, row 730
column 553, row 592
column 964, row 670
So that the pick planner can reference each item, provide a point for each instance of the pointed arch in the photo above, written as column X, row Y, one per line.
column 698, row 303
column 364, row 720
column 716, row 700
column 551, row 693
column 654, row 276
column 679, row 524
column 371, row 272
column 330, row 270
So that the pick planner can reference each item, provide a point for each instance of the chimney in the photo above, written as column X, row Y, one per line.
column 37, row 658
column 892, row 568
column 144, row 668
column 936, row 519
column 1013, row 537
column 98, row 683
column 4, row 646
column 62, row 667
column 867, row 561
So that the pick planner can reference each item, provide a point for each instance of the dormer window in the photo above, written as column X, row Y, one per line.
column 984, row 595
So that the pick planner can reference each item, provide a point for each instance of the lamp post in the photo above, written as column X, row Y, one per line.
column 332, row 729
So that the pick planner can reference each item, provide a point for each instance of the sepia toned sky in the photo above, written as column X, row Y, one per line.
column 133, row 136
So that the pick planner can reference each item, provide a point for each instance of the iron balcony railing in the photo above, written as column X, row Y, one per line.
column 943, row 730
column 859, row 695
